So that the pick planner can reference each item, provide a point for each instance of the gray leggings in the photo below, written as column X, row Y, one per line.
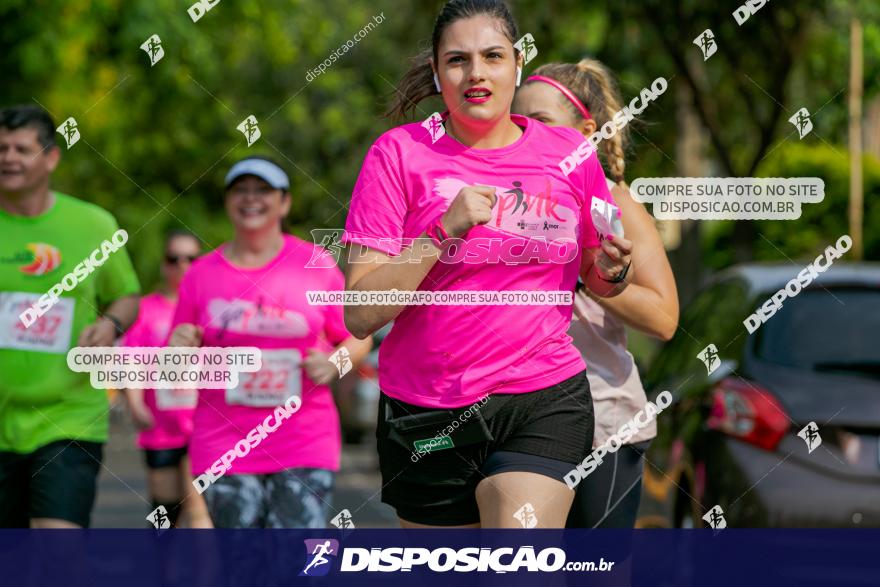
column 292, row 498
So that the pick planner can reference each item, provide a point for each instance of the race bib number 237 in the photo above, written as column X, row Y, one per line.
column 50, row 333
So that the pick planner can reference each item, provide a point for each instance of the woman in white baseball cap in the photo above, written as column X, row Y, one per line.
column 264, row 452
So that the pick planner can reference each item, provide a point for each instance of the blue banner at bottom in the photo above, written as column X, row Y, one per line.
column 234, row 558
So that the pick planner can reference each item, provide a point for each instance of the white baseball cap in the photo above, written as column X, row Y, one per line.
column 262, row 168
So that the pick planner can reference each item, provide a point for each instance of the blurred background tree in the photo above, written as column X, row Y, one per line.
column 156, row 141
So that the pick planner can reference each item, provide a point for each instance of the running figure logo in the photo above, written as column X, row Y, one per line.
column 153, row 48
column 526, row 516
column 801, row 121
column 342, row 360
column 526, row 46
column 328, row 243
column 810, row 434
column 520, row 197
column 715, row 518
column 709, row 356
column 434, row 125
column 706, row 42
column 70, row 131
column 249, row 129
column 317, row 563
column 159, row 518
column 343, row 520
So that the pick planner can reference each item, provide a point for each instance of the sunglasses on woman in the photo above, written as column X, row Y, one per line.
column 176, row 259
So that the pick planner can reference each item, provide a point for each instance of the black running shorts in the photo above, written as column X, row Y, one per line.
column 57, row 480
column 166, row 457
column 431, row 479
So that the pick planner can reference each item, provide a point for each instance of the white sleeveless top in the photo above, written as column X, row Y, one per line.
column 611, row 370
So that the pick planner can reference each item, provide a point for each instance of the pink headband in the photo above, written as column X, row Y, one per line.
column 565, row 92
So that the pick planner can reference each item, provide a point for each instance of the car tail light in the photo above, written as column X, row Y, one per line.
column 367, row 371
column 748, row 412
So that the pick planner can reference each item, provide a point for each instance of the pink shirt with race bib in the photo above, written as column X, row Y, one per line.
column 266, row 307
column 450, row 356
column 172, row 409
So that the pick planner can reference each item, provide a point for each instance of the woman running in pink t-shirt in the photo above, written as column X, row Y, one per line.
column 164, row 416
column 484, row 408
column 584, row 96
column 264, row 453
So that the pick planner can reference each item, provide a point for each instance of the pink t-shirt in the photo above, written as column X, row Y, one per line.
column 266, row 307
column 172, row 409
column 450, row 356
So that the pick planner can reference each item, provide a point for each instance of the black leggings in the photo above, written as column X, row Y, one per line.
column 609, row 497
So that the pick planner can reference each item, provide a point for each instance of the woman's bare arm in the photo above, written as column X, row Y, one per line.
column 372, row 270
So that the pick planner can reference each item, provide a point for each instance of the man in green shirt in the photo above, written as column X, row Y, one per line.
column 53, row 423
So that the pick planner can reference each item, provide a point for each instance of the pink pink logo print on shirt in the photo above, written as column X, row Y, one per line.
column 522, row 214
column 243, row 316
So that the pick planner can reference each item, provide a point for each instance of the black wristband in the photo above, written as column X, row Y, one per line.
column 617, row 278
column 116, row 324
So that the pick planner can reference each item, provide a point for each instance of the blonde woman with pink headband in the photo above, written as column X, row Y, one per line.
column 583, row 96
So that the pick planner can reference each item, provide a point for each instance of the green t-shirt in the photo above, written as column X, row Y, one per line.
column 41, row 399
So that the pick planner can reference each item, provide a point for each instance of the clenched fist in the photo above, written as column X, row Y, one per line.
column 472, row 206
column 614, row 256
column 186, row 335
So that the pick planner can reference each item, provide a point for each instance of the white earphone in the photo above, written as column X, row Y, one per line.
column 437, row 83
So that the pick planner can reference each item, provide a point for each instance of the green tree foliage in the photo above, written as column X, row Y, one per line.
column 820, row 224
column 156, row 141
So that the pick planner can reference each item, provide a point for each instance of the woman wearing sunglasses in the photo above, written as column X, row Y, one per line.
column 165, row 416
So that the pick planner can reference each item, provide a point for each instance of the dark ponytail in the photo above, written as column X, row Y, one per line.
column 418, row 81
column 415, row 85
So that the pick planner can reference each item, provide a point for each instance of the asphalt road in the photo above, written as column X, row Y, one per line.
column 123, row 501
